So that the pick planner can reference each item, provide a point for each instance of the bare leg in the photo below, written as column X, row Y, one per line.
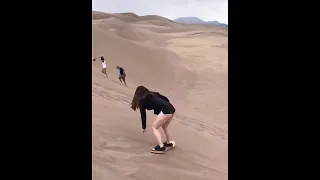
column 157, row 134
column 158, row 122
column 165, row 129
column 104, row 71
column 120, row 79
column 123, row 78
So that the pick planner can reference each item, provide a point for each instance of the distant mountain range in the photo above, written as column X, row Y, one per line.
column 195, row 20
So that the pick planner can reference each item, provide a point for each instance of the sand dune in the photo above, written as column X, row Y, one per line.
column 187, row 63
column 100, row 15
column 155, row 17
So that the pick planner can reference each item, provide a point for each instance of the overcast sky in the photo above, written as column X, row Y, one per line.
column 207, row 10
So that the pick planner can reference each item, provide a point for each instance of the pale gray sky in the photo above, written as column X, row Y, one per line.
column 207, row 10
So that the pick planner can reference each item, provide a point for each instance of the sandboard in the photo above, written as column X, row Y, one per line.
column 162, row 152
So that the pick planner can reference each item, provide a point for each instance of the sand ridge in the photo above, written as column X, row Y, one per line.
column 187, row 63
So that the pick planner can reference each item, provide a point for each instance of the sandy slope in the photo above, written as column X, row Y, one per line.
column 187, row 63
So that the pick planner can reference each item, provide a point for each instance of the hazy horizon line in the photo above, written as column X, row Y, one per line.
column 161, row 16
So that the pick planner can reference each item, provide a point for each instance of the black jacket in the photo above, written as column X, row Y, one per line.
column 156, row 102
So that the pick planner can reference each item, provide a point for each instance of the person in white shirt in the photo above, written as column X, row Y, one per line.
column 104, row 65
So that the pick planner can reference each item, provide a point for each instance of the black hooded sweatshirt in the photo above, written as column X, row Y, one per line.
column 156, row 102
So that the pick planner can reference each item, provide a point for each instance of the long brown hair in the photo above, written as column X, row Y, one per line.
column 140, row 91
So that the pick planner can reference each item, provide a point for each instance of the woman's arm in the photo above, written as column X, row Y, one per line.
column 143, row 117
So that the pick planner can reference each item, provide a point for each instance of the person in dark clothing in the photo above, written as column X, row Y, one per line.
column 122, row 75
column 148, row 100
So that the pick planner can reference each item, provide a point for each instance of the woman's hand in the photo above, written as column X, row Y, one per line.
column 143, row 131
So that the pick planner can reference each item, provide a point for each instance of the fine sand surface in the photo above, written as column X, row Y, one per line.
column 188, row 64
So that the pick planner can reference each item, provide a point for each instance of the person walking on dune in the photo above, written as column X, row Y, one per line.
column 147, row 100
column 122, row 75
column 104, row 65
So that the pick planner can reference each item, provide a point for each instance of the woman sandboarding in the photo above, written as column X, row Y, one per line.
column 147, row 100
